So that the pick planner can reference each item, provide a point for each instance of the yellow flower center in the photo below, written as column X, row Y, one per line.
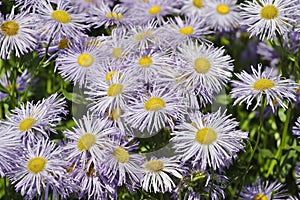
column 260, row 197
column 145, row 61
column 36, row 165
column 63, row 44
column 154, row 10
column 114, row 15
column 155, row 104
column 206, row 136
column 85, row 59
column 223, row 9
column 26, row 124
column 86, row 141
column 155, row 165
column 89, row 1
column 117, row 53
column 269, row 12
column 188, row 30
column 61, row 16
column 115, row 114
column 263, row 84
column 115, row 89
column 10, row 28
column 110, row 74
column 142, row 35
column 198, row 3
column 201, row 65
column 121, row 155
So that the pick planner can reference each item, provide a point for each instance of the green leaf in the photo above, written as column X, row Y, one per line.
column 74, row 97
column 282, row 115
column 266, row 153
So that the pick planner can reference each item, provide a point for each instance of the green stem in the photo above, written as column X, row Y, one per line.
column 284, row 140
column 261, row 121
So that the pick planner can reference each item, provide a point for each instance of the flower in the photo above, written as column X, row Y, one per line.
column 22, row 82
column 259, row 84
column 158, row 174
column 39, row 166
column 296, row 129
column 264, row 190
column 222, row 15
column 111, row 93
column 210, row 140
column 88, row 141
column 78, row 60
column 60, row 22
column 265, row 18
column 180, row 31
column 17, row 34
column 194, row 7
column 10, row 142
column 152, row 111
column 121, row 166
column 33, row 121
column 204, row 65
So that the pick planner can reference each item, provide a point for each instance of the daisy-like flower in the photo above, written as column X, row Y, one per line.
column 150, row 64
column 91, row 184
column 204, row 65
column 88, row 141
column 179, row 31
column 9, row 143
column 39, row 166
column 222, row 15
column 33, row 120
column 296, row 129
column 60, row 22
column 152, row 111
column 143, row 12
column 265, row 18
column 77, row 61
column 17, row 34
column 22, row 82
column 85, row 6
column 158, row 174
column 210, row 140
column 144, row 36
column 105, row 96
column 264, row 190
column 121, row 166
column 259, row 84
column 104, row 15
column 194, row 7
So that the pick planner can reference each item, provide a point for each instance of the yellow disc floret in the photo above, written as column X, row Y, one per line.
column 10, row 28
column 154, row 10
column 201, row 65
column 154, row 165
column 26, row 124
column 36, row 165
column 63, row 44
column 86, row 141
column 269, row 12
column 263, row 84
column 206, row 136
column 115, row 89
column 85, row 59
column 223, row 9
column 198, row 3
column 121, row 155
column 188, row 30
column 61, row 16
column 155, row 104
column 260, row 197
column 145, row 61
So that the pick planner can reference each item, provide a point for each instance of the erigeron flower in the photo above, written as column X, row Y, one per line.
column 18, row 34
column 259, row 84
column 266, row 18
